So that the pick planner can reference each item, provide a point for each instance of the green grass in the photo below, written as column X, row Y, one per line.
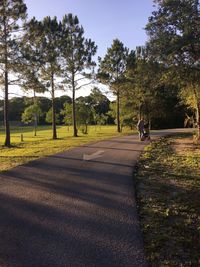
column 42, row 145
column 168, row 181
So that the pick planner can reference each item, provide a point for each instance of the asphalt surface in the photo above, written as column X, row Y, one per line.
column 75, row 208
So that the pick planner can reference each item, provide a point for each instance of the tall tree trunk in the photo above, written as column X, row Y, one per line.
column 74, row 107
column 35, row 124
column 35, row 115
column 118, row 112
column 86, row 128
column 6, row 100
column 53, row 108
column 197, row 114
column 198, row 121
column 140, row 111
column 6, row 111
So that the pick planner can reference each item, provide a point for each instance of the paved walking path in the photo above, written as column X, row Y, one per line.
column 75, row 208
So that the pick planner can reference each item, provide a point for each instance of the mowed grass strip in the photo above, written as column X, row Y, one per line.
column 34, row 147
column 168, row 183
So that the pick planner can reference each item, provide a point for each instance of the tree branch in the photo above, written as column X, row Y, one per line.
column 77, row 88
column 80, row 79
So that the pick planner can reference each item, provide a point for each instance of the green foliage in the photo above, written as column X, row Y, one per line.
column 17, row 106
column 147, row 78
column 12, row 16
column 83, row 113
column 67, row 113
column 49, row 117
column 30, row 112
column 152, row 94
column 128, row 116
column 45, row 105
column 167, row 99
column 99, row 105
column 174, row 40
column 32, row 50
column 174, row 32
column 98, row 101
column 91, row 109
column 76, row 50
column 112, row 67
column 112, row 112
column 143, row 86
column 1, row 110
column 101, row 119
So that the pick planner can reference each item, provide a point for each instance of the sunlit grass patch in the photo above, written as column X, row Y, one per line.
column 33, row 147
column 168, row 195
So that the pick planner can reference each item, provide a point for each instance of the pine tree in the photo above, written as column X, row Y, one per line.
column 32, row 62
column 12, row 16
column 42, row 46
column 112, row 69
column 51, row 56
column 77, row 55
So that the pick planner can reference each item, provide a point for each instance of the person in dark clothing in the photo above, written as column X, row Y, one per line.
column 140, row 127
column 146, row 131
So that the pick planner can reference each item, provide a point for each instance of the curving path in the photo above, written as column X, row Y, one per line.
column 75, row 208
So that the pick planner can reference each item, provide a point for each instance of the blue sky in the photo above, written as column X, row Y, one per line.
column 103, row 20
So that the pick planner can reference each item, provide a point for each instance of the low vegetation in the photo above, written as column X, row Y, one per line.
column 168, row 180
column 33, row 147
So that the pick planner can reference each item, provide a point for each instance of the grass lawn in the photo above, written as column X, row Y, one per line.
column 168, row 180
column 42, row 145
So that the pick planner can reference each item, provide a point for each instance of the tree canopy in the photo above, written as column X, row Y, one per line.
column 111, row 71
column 174, row 31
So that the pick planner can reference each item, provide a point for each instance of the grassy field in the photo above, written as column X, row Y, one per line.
column 168, row 180
column 42, row 145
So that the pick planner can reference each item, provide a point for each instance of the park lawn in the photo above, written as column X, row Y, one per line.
column 168, row 180
column 34, row 147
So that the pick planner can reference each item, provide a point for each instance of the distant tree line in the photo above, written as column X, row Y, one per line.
column 94, row 109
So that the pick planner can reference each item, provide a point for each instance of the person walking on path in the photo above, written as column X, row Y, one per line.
column 146, row 131
column 140, row 127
